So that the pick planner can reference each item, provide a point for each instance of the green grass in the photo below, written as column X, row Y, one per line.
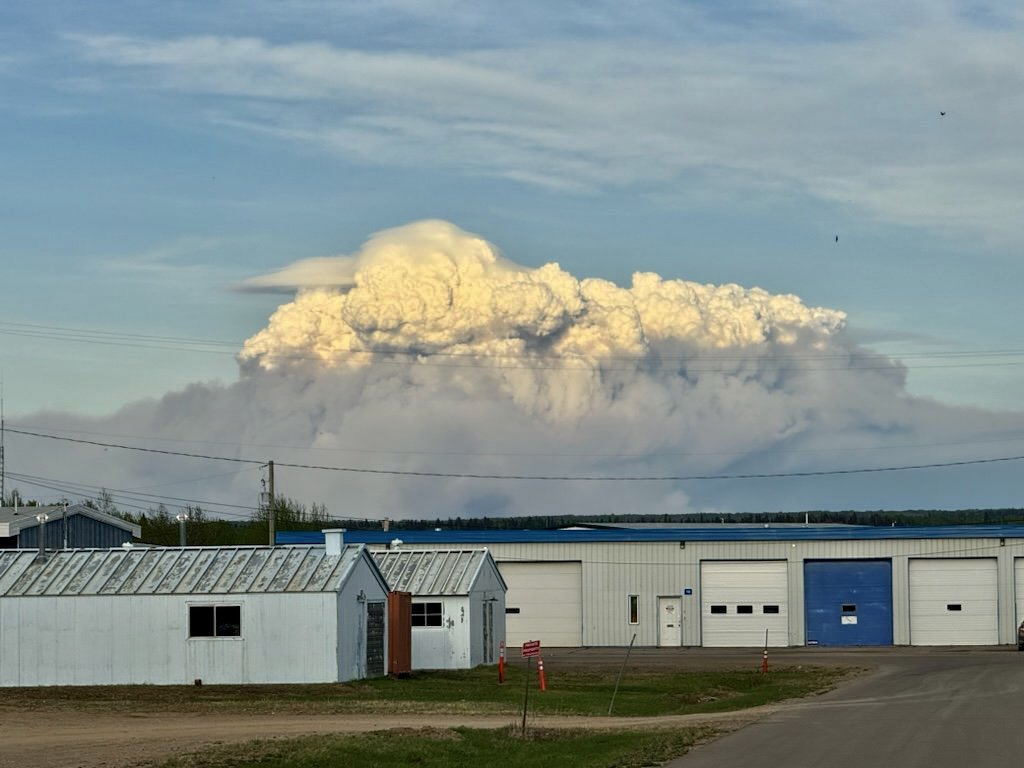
column 570, row 692
column 640, row 694
column 643, row 692
column 456, row 747
column 646, row 692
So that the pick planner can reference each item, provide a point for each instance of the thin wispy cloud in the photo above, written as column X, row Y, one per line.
column 855, row 121
column 185, row 263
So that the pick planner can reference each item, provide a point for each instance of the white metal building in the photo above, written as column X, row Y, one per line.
column 741, row 585
column 173, row 616
column 458, row 604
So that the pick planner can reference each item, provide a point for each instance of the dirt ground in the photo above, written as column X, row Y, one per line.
column 64, row 738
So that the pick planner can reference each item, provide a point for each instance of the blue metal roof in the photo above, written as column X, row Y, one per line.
column 720, row 533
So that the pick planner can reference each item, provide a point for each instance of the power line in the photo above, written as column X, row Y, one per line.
column 561, row 478
column 428, row 452
column 125, row 498
column 86, row 489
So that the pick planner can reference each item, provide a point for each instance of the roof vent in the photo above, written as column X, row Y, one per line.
column 334, row 538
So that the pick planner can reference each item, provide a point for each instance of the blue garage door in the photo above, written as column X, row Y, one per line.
column 848, row 602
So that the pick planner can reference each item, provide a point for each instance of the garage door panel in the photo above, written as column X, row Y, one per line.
column 549, row 600
column 954, row 601
column 742, row 601
column 848, row 602
column 1018, row 580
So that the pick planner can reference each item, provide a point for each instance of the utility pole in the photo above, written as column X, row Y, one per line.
column 270, row 501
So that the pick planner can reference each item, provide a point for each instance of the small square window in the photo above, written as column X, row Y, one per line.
column 954, row 607
column 719, row 609
column 849, row 608
column 769, row 609
column 512, row 610
column 744, row 609
column 215, row 621
column 427, row 614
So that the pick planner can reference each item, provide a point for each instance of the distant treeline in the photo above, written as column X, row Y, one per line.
column 911, row 517
column 160, row 526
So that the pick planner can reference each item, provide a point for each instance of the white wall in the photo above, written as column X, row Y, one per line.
column 132, row 639
column 351, row 651
column 488, row 588
column 447, row 646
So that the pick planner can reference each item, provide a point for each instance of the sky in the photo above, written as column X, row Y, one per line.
column 591, row 240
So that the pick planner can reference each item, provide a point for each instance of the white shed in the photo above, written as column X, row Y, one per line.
column 296, row 614
column 458, row 604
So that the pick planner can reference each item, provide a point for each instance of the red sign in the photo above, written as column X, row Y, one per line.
column 531, row 648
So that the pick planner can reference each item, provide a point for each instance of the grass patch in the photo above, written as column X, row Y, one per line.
column 570, row 692
column 460, row 746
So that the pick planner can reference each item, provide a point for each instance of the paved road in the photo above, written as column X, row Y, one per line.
column 922, row 709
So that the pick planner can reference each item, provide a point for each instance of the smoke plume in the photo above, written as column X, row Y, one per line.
column 429, row 352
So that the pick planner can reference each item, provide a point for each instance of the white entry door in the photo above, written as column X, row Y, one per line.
column 670, row 617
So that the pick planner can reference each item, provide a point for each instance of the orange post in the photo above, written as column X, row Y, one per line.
column 540, row 674
column 501, row 662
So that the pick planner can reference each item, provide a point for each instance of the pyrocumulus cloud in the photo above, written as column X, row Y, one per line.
column 429, row 351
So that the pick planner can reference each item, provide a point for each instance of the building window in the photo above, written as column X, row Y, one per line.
column 634, row 609
column 769, row 609
column 719, row 609
column 849, row 608
column 426, row 614
column 215, row 621
column 744, row 609
column 954, row 607
column 511, row 610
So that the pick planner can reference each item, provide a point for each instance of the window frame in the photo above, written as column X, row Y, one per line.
column 214, row 623
column 429, row 616
column 633, row 609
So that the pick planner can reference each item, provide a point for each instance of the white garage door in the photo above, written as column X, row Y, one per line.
column 741, row 601
column 954, row 602
column 1018, row 581
column 544, row 602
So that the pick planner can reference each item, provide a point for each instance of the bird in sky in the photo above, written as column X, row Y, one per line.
column 837, row 238
column 942, row 114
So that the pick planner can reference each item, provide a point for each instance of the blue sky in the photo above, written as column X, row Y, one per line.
column 156, row 155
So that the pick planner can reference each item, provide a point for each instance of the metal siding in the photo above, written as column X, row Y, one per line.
column 864, row 584
column 83, row 533
column 971, row 583
column 361, row 587
column 754, row 583
column 123, row 639
column 612, row 569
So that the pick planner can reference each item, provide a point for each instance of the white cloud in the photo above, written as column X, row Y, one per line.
column 853, row 118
